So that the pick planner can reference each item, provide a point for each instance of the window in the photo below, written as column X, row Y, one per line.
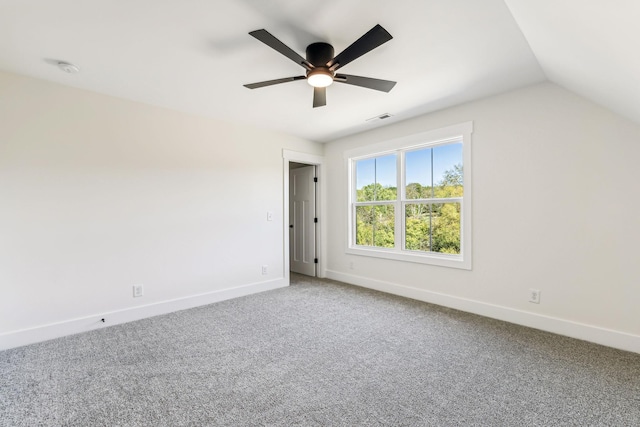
column 410, row 199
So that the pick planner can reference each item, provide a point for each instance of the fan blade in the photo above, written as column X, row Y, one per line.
column 273, row 82
column 319, row 97
column 371, row 40
column 267, row 38
column 368, row 82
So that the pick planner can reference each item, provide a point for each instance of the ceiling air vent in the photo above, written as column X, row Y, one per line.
column 380, row 117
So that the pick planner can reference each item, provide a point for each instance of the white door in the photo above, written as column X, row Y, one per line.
column 302, row 230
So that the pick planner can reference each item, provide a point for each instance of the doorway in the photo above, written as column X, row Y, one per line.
column 302, row 218
column 291, row 161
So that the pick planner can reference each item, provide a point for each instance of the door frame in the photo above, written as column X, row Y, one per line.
column 317, row 161
column 303, row 250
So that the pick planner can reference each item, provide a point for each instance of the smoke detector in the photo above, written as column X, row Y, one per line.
column 67, row 67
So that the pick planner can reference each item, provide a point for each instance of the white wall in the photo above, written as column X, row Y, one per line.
column 555, row 208
column 99, row 193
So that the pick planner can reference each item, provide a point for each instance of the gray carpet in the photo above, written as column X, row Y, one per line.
column 318, row 353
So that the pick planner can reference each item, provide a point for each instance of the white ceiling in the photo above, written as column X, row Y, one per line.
column 591, row 47
column 195, row 55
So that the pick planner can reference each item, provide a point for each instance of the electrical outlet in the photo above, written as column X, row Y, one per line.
column 534, row 296
column 351, row 265
column 138, row 291
column 264, row 270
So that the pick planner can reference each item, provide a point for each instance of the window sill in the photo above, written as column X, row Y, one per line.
column 442, row 260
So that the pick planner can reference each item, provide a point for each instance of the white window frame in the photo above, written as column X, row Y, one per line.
column 455, row 133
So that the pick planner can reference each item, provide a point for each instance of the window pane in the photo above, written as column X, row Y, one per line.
column 365, row 178
column 432, row 227
column 417, row 227
column 445, row 228
column 418, row 174
column 376, row 179
column 375, row 226
column 447, row 170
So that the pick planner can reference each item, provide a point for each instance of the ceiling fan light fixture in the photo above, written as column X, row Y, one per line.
column 320, row 77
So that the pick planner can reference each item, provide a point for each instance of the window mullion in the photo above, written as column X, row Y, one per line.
column 380, row 203
column 353, row 199
column 437, row 201
column 431, row 167
column 400, row 194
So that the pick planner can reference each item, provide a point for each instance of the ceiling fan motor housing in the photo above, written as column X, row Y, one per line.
column 319, row 54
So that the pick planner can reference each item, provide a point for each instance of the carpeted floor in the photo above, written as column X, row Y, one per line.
column 318, row 353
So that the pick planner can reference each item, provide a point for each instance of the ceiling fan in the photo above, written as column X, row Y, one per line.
column 321, row 65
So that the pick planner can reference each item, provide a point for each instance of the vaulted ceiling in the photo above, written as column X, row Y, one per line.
column 194, row 55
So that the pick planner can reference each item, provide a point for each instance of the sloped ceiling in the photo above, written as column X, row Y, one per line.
column 195, row 55
column 589, row 47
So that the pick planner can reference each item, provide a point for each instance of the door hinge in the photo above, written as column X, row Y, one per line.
column 315, row 219
column 315, row 179
column 315, row 260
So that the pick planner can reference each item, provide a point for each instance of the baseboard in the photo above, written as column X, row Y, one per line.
column 73, row 326
column 603, row 336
